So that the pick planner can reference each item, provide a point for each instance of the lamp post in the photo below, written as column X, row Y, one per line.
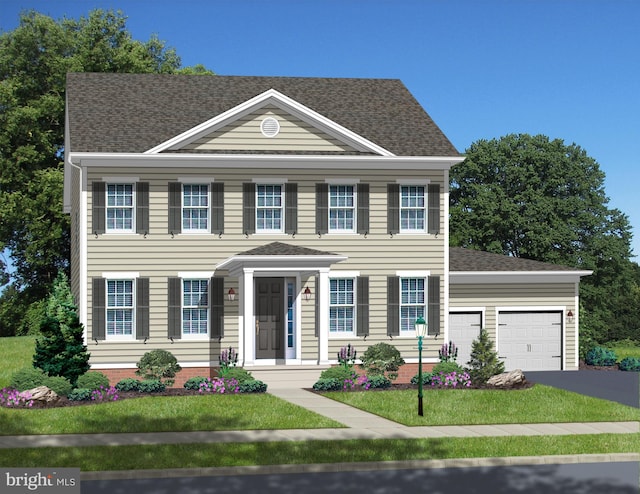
column 421, row 329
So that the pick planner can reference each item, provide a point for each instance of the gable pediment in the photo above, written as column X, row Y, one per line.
column 270, row 123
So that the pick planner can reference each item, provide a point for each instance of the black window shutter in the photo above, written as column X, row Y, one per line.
column 216, row 294
column 99, row 316
column 393, row 306
column 317, row 307
column 433, row 297
column 363, row 208
column 99, row 193
column 142, row 207
column 217, row 208
column 142, row 308
column 291, row 208
column 362, row 312
column 393, row 208
column 434, row 209
column 174, row 322
column 248, row 208
column 175, row 207
column 322, row 208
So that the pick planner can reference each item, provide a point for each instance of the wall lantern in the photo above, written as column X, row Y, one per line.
column 307, row 294
column 570, row 317
column 231, row 294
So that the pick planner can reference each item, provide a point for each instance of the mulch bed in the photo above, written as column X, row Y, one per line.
column 583, row 366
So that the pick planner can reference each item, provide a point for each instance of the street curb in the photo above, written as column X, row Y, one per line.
column 361, row 466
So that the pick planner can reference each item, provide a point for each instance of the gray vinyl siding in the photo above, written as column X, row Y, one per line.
column 534, row 295
column 160, row 256
column 245, row 134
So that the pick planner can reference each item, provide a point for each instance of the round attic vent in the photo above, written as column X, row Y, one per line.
column 270, row 127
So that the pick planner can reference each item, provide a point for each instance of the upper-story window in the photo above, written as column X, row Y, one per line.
column 120, row 208
column 269, row 208
column 195, row 208
column 412, row 209
column 342, row 208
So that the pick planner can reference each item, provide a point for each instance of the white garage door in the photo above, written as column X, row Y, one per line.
column 464, row 327
column 530, row 340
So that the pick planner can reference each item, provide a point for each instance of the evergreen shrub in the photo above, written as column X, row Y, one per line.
column 92, row 380
column 600, row 356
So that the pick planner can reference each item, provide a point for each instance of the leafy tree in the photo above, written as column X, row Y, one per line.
column 536, row 198
column 484, row 362
column 60, row 350
column 34, row 60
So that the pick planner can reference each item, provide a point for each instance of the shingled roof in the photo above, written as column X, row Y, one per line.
column 132, row 113
column 466, row 260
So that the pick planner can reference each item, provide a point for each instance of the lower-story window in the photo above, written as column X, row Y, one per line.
column 341, row 306
column 412, row 303
column 120, row 307
column 195, row 307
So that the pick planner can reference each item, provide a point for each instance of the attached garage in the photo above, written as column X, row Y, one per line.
column 530, row 341
column 464, row 327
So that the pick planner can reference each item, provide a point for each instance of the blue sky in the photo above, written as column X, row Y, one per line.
column 569, row 69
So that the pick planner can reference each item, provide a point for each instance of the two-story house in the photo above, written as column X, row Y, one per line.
column 284, row 217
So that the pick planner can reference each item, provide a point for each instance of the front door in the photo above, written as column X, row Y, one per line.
column 270, row 320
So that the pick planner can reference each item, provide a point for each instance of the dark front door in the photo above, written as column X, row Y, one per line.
column 269, row 312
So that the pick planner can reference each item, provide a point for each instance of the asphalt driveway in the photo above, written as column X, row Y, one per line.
column 623, row 387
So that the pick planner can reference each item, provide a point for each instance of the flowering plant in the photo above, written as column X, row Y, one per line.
column 13, row 398
column 448, row 353
column 219, row 386
column 227, row 359
column 104, row 394
column 362, row 381
column 451, row 380
column 347, row 356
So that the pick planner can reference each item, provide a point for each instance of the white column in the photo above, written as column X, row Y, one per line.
column 247, row 317
column 322, row 291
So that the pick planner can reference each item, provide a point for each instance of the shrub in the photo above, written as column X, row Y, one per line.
column 484, row 362
column 253, row 386
column 108, row 393
column 451, row 380
column 630, row 364
column 27, row 378
column 59, row 384
column 80, row 394
column 158, row 365
column 426, row 378
column 15, row 399
column 219, row 385
column 340, row 373
column 381, row 359
column 128, row 384
column 237, row 373
column 601, row 356
column 328, row 384
column 194, row 382
column 151, row 386
column 446, row 368
column 379, row 382
column 448, row 353
column 93, row 380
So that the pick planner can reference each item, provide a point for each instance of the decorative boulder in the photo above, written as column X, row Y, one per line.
column 513, row 379
column 44, row 395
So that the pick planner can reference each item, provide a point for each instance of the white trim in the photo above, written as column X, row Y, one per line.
column 271, row 97
column 269, row 181
column 492, row 277
column 195, row 180
column 445, row 237
column 192, row 275
column 413, row 274
column 342, row 181
column 120, row 275
column 414, row 181
column 344, row 274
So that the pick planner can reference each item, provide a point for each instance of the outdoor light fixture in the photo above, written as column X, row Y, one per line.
column 421, row 331
column 307, row 294
column 231, row 294
column 570, row 317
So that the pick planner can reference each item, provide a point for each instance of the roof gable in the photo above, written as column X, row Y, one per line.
column 136, row 113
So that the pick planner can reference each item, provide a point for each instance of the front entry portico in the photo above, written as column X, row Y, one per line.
column 270, row 285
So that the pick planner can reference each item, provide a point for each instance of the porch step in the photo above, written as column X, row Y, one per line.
column 287, row 377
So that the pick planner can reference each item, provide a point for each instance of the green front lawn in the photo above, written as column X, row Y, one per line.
column 165, row 414
column 166, row 456
column 538, row 404
column 17, row 352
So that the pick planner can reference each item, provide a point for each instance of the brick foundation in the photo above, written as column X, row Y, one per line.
column 405, row 373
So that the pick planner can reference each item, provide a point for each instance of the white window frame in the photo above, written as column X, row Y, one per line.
column 280, row 208
column 195, row 307
column 409, row 330
column 199, row 208
column 353, row 208
column 131, row 309
column 410, row 208
column 131, row 208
